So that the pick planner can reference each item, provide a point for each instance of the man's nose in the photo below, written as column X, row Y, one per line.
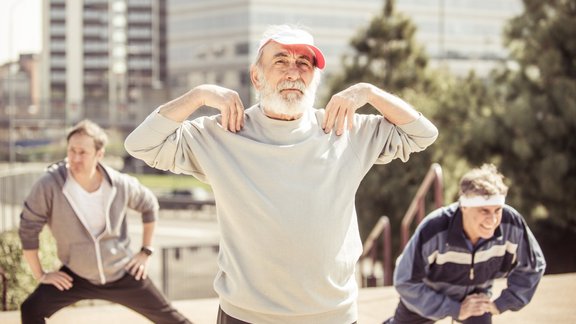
column 493, row 217
column 292, row 72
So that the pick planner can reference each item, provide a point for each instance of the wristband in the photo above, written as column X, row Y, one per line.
column 147, row 250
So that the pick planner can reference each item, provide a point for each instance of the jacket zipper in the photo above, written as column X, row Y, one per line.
column 476, row 248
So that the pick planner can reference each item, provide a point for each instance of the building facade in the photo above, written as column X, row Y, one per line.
column 462, row 35
column 115, row 60
column 214, row 41
column 102, row 58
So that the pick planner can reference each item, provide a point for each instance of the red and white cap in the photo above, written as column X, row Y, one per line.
column 295, row 37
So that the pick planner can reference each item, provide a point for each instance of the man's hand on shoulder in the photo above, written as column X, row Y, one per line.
column 227, row 101
column 342, row 106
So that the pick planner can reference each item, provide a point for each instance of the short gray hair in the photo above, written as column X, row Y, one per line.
column 483, row 181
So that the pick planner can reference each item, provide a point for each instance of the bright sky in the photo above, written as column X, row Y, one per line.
column 24, row 18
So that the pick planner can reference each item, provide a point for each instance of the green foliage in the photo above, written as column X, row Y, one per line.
column 20, row 281
column 531, row 129
column 169, row 182
column 56, row 150
column 521, row 118
column 387, row 56
column 537, row 119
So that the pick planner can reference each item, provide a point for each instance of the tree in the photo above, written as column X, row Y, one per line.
column 533, row 125
column 387, row 55
column 19, row 280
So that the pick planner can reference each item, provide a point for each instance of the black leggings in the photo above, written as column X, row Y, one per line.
column 139, row 295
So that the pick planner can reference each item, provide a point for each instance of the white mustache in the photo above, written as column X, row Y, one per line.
column 298, row 85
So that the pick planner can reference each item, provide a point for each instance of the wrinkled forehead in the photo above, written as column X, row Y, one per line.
column 273, row 49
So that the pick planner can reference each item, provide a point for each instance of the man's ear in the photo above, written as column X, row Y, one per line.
column 254, row 77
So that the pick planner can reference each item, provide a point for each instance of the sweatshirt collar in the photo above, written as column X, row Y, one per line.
column 284, row 132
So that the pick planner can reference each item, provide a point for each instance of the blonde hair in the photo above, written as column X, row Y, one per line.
column 483, row 181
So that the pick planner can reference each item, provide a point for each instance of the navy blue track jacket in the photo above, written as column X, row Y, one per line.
column 437, row 269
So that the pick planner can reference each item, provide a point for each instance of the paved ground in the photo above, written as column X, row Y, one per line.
column 554, row 302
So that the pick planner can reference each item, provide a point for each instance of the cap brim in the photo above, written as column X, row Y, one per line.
column 318, row 55
column 320, row 61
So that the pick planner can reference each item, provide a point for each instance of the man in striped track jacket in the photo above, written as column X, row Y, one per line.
column 449, row 264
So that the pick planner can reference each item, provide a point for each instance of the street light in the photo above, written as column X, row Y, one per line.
column 11, row 111
column 11, row 80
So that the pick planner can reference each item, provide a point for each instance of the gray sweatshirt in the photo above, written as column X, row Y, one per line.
column 284, row 194
column 98, row 259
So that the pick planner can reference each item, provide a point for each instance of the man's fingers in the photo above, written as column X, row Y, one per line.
column 339, row 112
column 350, row 119
column 330, row 115
column 66, row 284
column 340, row 120
column 140, row 272
column 232, row 116
column 66, row 276
column 60, row 280
column 240, row 117
column 235, row 119
column 225, row 116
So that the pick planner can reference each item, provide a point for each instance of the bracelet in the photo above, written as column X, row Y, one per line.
column 42, row 277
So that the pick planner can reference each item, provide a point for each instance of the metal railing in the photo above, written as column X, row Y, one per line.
column 188, row 271
column 4, row 290
column 15, row 184
column 417, row 207
column 381, row 231
column 371, row 248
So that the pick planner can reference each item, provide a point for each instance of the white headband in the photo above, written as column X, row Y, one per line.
column 478, row 201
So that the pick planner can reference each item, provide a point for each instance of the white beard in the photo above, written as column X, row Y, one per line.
column 292, row 104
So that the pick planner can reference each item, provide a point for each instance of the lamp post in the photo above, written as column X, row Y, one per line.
column 11, row 95
column 11, row 111
column 441, row 17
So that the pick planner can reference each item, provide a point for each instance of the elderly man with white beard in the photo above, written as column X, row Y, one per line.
column 284, row 176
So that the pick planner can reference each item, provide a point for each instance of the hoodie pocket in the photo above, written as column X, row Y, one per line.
column 82, row 261
column 115, row 255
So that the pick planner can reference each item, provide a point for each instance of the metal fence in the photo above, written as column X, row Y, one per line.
column 15, row 184
column 189, row 271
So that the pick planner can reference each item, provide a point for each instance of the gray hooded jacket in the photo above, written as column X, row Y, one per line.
column 98, row 259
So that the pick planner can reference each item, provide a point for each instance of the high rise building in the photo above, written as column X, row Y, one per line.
column 102, row 58
column 462, row 35
column 214, row 41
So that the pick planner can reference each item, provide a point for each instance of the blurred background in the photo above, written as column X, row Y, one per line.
column 498, row 78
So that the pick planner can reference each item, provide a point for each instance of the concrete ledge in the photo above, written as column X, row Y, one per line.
column 554, row 302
